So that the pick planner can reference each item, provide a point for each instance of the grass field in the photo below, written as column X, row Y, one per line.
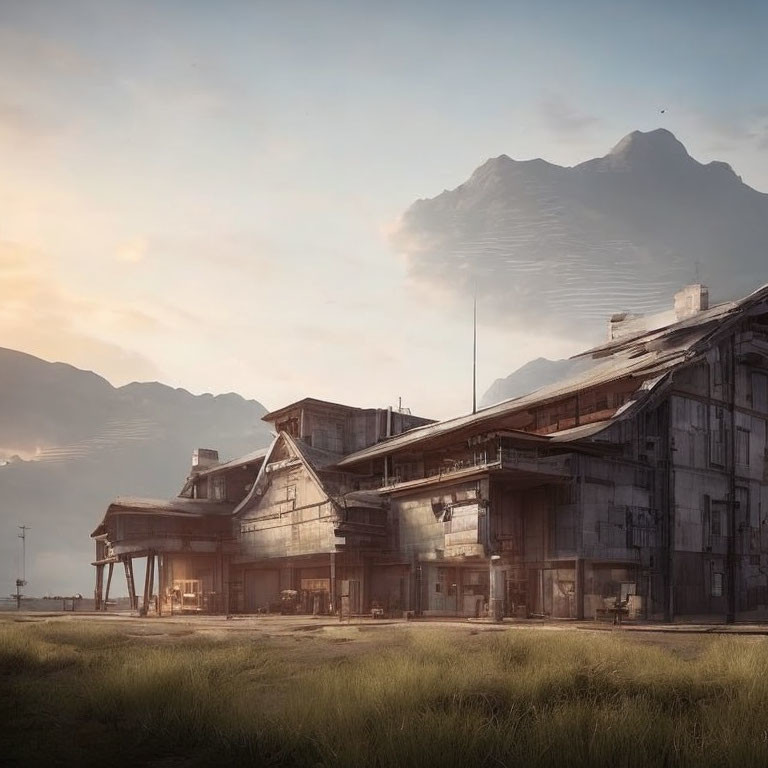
column 90, row 693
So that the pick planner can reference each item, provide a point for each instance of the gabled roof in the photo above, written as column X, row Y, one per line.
column 647, row 356
column 314, row 459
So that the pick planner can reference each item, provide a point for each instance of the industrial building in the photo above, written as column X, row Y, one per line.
column 641, row 482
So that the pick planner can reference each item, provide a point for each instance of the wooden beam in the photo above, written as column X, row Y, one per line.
column 97, row 592
column 151, row 575
column 333, row 583
column 160, row 573
column 109, row 584
column 128, row 564
column 145, row 602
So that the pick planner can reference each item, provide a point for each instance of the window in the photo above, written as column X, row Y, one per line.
column 717, row 584
column 681, row 411
column 760, row 392
column 291, row 426
column 219, row 488
column 717, row 368
column 717, row 438
column 716, row 522
column 744, row 509
column 742, row 446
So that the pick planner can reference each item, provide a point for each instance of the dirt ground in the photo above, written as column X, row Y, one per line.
column 365, row 635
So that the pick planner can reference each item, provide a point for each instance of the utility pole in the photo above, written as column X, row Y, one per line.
column 474, row 354
column 22, row 582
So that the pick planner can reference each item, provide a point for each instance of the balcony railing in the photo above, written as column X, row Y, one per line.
column 436, row 473
column 535, row 461
column 523, row 460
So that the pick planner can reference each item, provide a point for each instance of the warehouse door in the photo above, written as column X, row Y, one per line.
column 262, row 589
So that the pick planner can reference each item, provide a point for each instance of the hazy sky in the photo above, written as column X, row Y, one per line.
column 201, row 192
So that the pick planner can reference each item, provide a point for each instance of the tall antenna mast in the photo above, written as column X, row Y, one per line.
column 474, row 352
column 22, row 582
column 23, row 537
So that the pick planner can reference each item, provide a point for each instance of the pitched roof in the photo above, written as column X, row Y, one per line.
column 254, row 457
column 647, row 356
column 176, row 507
column 309, row 401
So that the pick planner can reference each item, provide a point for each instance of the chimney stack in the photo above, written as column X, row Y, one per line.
column 691, row 300
column 203, row 458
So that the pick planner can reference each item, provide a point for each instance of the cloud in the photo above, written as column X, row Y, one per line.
column 736, row 130
column 561, row 117
column 133, row 251
column 40, row 316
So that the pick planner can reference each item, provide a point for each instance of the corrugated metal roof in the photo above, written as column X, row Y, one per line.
column 650, row 354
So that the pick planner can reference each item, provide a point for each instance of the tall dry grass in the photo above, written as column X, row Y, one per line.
column 492, row 699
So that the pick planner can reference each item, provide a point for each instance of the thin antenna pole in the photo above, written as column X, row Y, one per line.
column 23, row 537
column 474, row 353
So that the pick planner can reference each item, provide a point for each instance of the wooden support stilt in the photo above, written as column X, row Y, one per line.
column 145, row 603
column 151, row 575
column 109, row 584
column 160, row 573
column 97, row 593
column 128, row 564
column 333, row 584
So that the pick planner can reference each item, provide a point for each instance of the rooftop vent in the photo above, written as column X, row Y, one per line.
column 203, row 458
column 689, row 301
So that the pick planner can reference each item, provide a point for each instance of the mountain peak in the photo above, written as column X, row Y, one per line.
column 660, row 144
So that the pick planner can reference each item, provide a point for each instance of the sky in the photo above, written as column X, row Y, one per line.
column 203, row 193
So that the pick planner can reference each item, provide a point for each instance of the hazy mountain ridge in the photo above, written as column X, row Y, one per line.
column 570, row 246
column 532, row 376
column 87, row 442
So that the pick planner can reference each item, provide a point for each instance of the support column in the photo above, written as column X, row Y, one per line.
column 128, row 565
column 109, row 584
column 225, row 577
column 147, row 589
column 151, row 575
column 97, row 592
column 496, row 590
column 160, row 574
column 333, row 583
column 580, row 588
